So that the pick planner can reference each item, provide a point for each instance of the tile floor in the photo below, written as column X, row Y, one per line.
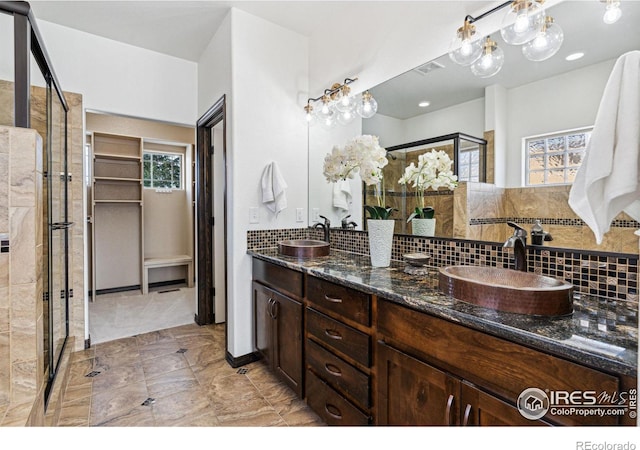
column 175, row 377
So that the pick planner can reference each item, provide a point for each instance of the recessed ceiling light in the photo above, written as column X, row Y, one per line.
column 574, row 56
column 424, row 104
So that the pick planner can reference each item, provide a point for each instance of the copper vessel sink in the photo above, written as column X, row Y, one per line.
column 507, row 290
column 303, row 248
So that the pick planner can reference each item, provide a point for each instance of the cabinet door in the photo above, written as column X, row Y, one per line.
column 411, row 392
column 263, row 306
column 480, row 408
column 287, row 334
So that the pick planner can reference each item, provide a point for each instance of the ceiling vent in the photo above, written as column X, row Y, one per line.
column 428, row 67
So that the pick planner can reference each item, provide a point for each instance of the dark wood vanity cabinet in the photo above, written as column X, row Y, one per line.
column 434, row 372
column 278, row 321
column 338, row 353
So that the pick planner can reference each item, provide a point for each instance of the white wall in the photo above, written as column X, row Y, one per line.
column 466, row 118
column 120, row 78
column 390, row 131
column 269, row 76
column 558, row 103
column 6, row 47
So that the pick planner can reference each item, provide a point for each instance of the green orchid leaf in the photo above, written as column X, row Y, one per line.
column 379, row 212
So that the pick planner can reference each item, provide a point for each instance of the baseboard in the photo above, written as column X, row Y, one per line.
column 241, row 360
column 137, row 287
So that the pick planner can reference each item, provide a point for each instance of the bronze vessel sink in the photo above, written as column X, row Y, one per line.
column 303, row 248
column 507, row 290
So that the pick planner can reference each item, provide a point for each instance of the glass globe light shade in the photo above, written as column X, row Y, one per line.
column 368, row 106
column 310, row 115
column 523, row 22
column 344, row 100
column 545, row 44
column 346, row 117
column 328, row 122
column 465, row 48
column 490, row 62
column 326, row 109
column 612, row 12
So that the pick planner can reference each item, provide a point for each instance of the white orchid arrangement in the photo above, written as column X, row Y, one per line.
column 361, row 155
column 432, row 172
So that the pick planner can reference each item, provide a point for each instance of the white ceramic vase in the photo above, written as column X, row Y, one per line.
column 380, row 241
column 423, row 227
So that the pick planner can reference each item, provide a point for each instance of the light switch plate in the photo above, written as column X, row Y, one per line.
column 253, row 215
column 299, row 215
column 315, row 214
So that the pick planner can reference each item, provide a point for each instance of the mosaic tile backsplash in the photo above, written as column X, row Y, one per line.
column 608, row 275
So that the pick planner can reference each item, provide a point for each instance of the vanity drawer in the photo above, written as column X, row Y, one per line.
column 330, row 405
column 339, row 336
column 347, row 302
column 280, row 278
column 339, row 374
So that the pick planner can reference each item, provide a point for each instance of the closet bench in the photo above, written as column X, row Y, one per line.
column 166, row 261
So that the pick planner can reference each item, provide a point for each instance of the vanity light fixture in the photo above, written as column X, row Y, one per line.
column 612, row 11
column 523, row 22
column 490, row 62
column 465, row 48
column 338, row 105
column 546, row 43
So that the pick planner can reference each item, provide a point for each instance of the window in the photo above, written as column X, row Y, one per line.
column 469, row 164
column 162, row 170
column 555, row 158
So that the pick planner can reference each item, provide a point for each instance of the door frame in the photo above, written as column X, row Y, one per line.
column 204, row 210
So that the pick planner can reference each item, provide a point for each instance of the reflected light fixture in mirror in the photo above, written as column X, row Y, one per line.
column 340, row 106
column 546, row 43
column 522, row 22
column 612, row 11
column 490, row 62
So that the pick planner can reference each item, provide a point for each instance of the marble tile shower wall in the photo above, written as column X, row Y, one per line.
column 608, row 275
column 21, row 283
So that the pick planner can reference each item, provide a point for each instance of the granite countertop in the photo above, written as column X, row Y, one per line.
column 601, row 333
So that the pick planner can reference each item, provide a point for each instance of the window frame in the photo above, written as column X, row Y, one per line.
column 546, row 136
column 160, row 152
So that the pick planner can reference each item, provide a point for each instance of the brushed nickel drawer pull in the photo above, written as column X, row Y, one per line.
column 333, row 370
column 447, row 412
column 333, row 334
column 467, row 413
column 332, row 299
column 333, row 411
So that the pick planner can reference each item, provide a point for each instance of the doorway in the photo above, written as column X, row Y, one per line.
column 211, row 213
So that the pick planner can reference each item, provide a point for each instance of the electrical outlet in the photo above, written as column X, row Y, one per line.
column 253, row 215
column 299, row 216
column 315, row 214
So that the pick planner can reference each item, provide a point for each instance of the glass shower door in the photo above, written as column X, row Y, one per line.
column 58, row 230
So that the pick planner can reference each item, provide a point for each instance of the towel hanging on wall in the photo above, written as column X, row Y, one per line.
column 273, row 189
column 608, row 180
column 341, row 194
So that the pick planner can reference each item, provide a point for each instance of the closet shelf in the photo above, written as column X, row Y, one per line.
column 116, row 179
column 116, row 156
column 117, row 201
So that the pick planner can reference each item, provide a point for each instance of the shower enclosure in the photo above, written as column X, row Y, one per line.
column 39, row 103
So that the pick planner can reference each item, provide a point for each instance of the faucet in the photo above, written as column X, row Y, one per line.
column 518, row 242
column 325, row 226
column 538, row 235
column 346, row 224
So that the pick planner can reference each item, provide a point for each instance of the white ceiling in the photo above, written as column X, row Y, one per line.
column 184, row 28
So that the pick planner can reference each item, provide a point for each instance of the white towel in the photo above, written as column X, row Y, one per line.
column 608, row 180
column 273, row 189
column 341, row 194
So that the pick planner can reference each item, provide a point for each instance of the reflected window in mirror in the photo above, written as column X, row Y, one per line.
column 555, row 158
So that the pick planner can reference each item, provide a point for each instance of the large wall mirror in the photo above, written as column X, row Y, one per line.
column 525, row 107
